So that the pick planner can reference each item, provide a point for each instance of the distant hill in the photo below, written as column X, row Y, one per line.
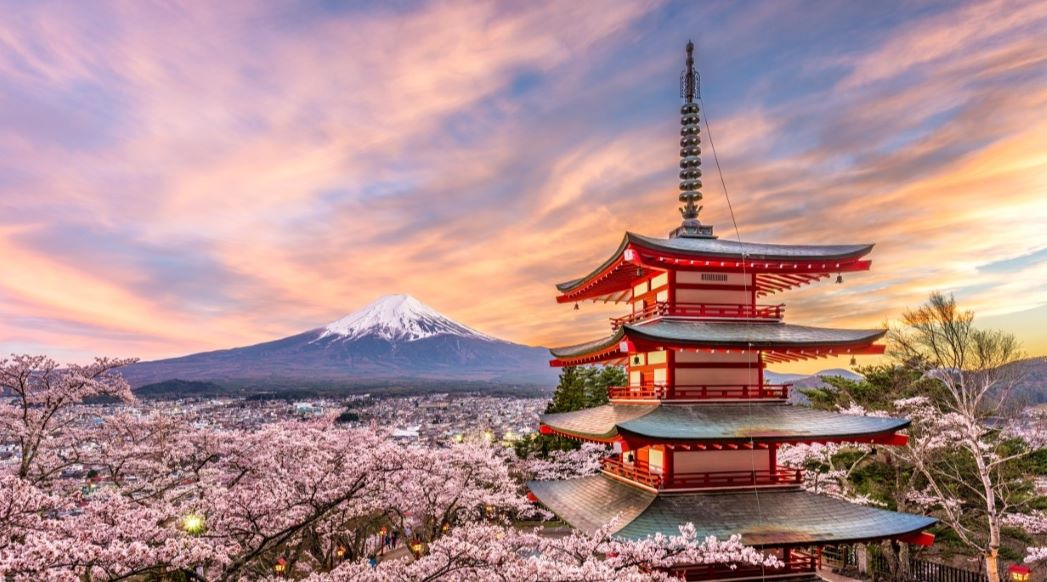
column 182, row 388
column 1032, row 389
column 394, row 341
column 805, row 381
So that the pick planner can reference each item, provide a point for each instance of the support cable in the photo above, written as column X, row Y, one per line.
column 745, row 289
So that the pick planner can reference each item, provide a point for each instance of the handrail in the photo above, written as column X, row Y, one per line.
column 715, row 310
column 640, row 472
column 661, row 391
column 797, row 562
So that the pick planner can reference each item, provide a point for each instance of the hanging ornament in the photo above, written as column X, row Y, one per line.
column 576, row 308
column 839, row 278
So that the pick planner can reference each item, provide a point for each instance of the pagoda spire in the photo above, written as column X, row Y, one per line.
column 690, row 155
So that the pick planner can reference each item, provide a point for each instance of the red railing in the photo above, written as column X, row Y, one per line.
column 700, row 392
column 713, row 310
column 797, row 563
column 641, row 473
column 777, row 476
column 638, row 472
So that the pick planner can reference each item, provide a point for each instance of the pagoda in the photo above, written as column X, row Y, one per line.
column 696, row 432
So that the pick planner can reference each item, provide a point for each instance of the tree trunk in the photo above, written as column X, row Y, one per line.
column 903, row 563
column 992, row 564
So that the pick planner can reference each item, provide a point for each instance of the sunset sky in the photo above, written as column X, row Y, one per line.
column 180, row 179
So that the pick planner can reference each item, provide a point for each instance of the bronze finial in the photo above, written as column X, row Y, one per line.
column 690, row 158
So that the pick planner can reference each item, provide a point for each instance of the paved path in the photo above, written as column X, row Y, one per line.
column 830, row 576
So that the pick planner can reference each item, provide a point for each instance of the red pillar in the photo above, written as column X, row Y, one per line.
column 670, row 467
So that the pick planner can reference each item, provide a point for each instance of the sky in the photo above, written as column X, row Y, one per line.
column 184, row 177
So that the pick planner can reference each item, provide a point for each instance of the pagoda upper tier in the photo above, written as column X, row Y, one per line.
column 773, row 267
column 777, row 342
column 719, row 424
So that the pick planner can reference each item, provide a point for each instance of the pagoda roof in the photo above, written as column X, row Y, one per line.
column 718, row 334
column 719, row 423
column 757, row 257
column 778, row 517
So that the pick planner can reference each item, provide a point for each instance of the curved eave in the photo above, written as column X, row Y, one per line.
column 613, row 279
column 784, row 517
column 717, row 423
column 757, row 336
column 779, row 341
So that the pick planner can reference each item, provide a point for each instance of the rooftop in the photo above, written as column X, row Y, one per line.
column 770, row 517
column 721, row 334
column 758, row 257
column 719, row 423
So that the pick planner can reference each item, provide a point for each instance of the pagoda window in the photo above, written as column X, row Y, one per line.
column 655, row 461
column 654, row 358
column 640, row 289
column 660, row 281
column 635, row 378
column 660, row 376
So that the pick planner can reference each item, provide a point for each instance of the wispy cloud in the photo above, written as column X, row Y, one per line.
column 177, row 179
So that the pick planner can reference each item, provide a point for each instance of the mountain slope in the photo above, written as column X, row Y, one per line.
column 394, row 339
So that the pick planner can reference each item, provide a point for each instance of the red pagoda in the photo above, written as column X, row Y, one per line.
column 696, row 432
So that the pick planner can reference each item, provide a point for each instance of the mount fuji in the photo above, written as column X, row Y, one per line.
column 395, row 340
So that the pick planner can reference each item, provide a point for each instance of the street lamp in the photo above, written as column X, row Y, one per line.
column 280, row 567
column 1019, row 573
column 193, row 524
column 417, row 547
column 339, row 552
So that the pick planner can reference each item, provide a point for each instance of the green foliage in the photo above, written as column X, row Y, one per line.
column 347, row 416
column 881, row 386
column 580, row 387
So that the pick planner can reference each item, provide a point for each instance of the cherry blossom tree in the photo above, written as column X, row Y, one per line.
column 974, row 372
column 487, row 552
column 41, row 391
column 586, row 460
column 107, row 494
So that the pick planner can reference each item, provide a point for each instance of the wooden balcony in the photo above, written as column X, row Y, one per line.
column 702, row 310
column 642, row 474
column 700, row 392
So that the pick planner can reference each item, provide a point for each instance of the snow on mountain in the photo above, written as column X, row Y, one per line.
column 398, row 318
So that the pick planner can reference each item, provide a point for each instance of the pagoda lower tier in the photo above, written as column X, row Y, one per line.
column 764, row 517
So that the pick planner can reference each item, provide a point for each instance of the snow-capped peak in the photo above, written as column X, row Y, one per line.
column 398, row 318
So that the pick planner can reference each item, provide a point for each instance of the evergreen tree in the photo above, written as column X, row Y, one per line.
column 580, row 387
column 570, row 392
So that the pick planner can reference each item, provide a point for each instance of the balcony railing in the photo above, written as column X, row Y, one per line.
column 700, row 392
column 796, row 563
column 638, row 472
column 710, row 310
column 641, row 473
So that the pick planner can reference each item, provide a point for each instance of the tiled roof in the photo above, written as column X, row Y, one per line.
column 711, row 247
column 759, row 335
column 765, row 517
column 743, row 422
